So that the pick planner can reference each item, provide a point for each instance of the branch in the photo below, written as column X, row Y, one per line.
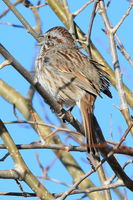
column 5, row 63
column 18, row 194
column 121, row 150
column 82, row 8
column 123, row 18
column 118, row 75
column 20, row 166
column 22, row 20
column 120, row 46
column 90, row 29
column 108, row 155
column 9, row 174
column 8, row 9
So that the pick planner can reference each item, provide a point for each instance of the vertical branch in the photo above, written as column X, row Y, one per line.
column 90, row 29
column 119, row 83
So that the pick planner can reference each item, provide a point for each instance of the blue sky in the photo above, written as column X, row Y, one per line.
column 23, row 47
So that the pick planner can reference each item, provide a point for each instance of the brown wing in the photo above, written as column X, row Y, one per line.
column 72, row 65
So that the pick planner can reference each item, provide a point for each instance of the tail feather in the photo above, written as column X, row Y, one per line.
column 86, row 108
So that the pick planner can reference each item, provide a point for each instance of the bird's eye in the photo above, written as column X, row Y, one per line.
column 49, row 37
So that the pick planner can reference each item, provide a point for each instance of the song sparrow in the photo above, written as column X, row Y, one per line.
column 70, row 77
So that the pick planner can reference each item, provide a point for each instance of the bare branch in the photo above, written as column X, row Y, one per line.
column 119, row 83
column 120, row 46
column 108, row 155
column 20, row 166
column 8, row 9
column 13, row 25
column 5, row 63
column 121, row 150
column 39, row 6
column 22, row 20
column 9, row 174
column 90, row 28
column 82, row 8
column 18, row 194
column 123, row 18
column 5, row 156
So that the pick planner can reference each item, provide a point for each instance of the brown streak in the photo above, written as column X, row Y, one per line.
column 65, row 56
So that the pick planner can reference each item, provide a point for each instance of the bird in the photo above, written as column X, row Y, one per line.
column 71, row 78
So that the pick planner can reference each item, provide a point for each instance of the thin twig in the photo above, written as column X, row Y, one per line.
column 13, row 25
column 4, row 157
column 93, row 189
column 123, row 18
column 30, row 93
column 18, row 194
column 39, row 6
column 22, row 20
column 8, row 9
column 121, row 47
column 124, row 136
column 123, row 50
column 90, row 29
column 57, row 128
column 82, row 8
column 20, row 187
column 54, row 180
column 108, row 4
column 123, row 167
column 65, row 194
